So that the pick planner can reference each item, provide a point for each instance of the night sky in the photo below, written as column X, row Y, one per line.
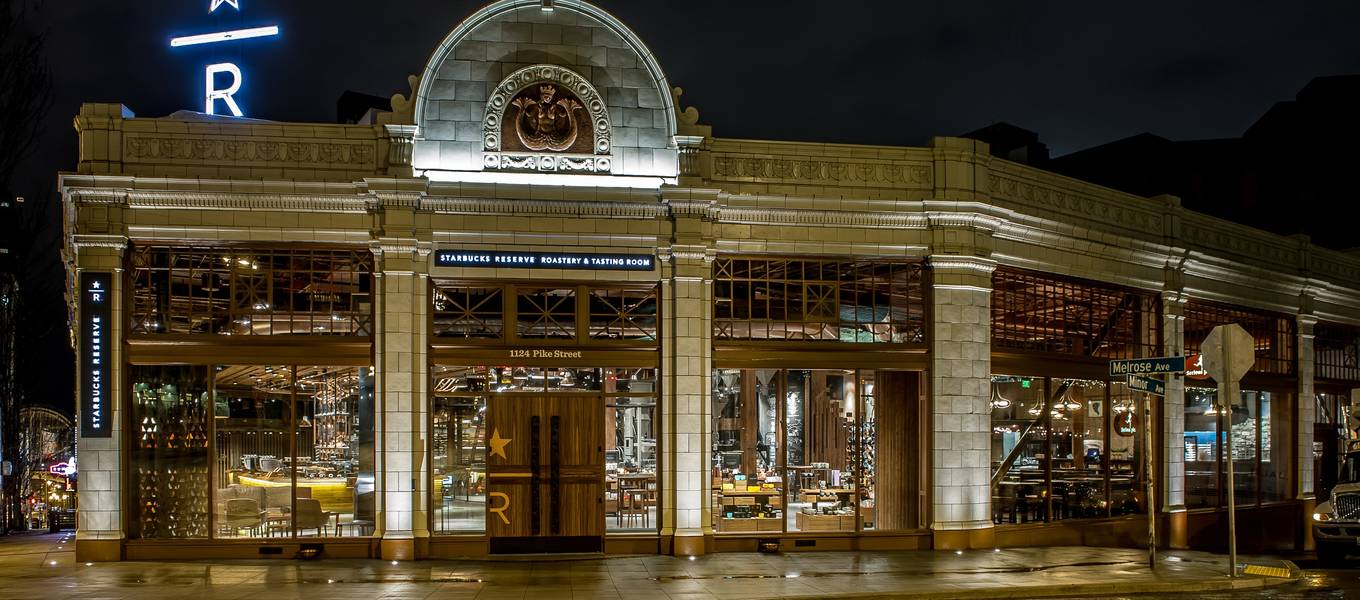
column 1079, row 73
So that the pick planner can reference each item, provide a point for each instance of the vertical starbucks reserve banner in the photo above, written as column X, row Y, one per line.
column 95, row 418
column 544, row 260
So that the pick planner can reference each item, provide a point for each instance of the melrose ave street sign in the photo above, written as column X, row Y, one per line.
column 1144, row 366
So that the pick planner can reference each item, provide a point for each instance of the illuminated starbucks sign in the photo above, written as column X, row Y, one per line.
column 94, row 358
column 544, row 260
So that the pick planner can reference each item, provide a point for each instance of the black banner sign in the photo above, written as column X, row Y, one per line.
column 95, row 375
column 544, row 260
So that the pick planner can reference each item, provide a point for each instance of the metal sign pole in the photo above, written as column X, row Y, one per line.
column 1227, row 392
column 1151, row 481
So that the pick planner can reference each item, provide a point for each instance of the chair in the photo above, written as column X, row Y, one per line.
column 242, row 513
column 310, row 516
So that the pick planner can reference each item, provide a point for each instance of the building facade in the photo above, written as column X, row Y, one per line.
column 538, row 307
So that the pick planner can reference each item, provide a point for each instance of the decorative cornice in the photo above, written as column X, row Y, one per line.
column 686, row 207
column 501, row 206
column 963, row 221
column 387, row 245
column 381, row 199
column 785, row 216
column 90, row 240
column 976, row 264
column 149, row 199
column 686, row 252
column 98, row 196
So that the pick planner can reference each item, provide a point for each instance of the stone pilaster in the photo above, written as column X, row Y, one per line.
column 1306, row 407
column 99, row 532
column 400, row 356
column 1173, row 406
column 687, row 354
column 960, row 375
column 1171, row 500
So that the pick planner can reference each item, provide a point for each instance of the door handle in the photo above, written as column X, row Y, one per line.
column 535, row 521
column 555, row 450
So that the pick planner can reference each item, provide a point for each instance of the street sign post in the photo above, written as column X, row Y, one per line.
column 1147, row 384
column 1229, row 352
column 1147, row 366
column 1134, row 370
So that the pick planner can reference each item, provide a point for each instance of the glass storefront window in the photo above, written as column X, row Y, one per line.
column 1062, row 449
column 1330, row 434
column 630, row 464
column 458, row 463
column 546, row 313
column 253, row 408
column 251, row 291
column 815, row 450
column 1126, row 461
column 806, row 299
column 1258, row 447
column 294, row 450
column 865, row 439
column 1201, row 448
column 819, row 423
column 748, row 486
column 170, row 451
column 469, row 312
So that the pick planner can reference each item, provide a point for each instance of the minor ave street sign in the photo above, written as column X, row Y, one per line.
column 1147, row 384
column 1144, row 366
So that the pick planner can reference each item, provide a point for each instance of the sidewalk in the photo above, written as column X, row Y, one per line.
column 41, row 566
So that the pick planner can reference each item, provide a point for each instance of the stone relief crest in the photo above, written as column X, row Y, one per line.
column 546, row 118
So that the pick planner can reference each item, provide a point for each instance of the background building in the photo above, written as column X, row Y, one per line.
column 538, row 307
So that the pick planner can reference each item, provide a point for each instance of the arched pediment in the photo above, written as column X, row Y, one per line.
column 502, row 53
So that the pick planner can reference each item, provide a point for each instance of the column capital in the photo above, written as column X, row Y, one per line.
column 961, row 272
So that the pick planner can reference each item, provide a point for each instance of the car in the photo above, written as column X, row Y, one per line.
column 1336, row 522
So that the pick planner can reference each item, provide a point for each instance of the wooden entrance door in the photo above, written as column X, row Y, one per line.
column 545, row 471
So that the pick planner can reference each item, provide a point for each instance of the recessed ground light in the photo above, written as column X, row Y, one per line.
column 394, row 563
column 996, row 549
column 89, row 564
column 693, row 557
column 959, row 552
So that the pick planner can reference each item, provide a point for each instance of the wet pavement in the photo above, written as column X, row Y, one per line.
column 42, row 566
column 1318, row 582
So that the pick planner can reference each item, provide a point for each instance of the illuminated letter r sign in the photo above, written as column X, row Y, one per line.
column 212, row 93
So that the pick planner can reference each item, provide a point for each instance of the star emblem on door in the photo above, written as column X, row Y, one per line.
column 498, row 444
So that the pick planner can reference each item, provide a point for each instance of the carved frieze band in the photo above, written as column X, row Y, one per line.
column 776, row 169
column 342, row 155
column 1077, row 205
column 1215, row 240
column 547, row 163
